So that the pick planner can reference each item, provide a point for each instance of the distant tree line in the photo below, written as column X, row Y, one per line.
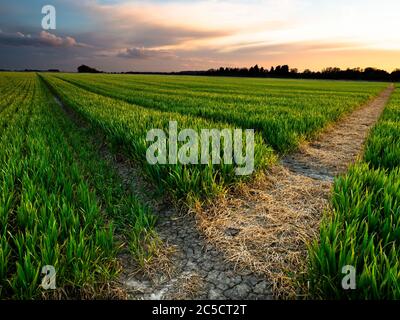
column 281, row 71
column 30, row 70
column 367, row 74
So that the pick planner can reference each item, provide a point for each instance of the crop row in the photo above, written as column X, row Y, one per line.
column 285, row 112
column 10, row 89
column 363, row 229
column 53, row 206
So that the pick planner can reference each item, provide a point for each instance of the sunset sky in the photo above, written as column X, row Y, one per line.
column 156, row 35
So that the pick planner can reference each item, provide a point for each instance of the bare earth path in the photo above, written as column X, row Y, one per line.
column 265, row 226
column 340, row 145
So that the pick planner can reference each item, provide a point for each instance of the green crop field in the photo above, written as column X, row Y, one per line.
column 63, row 204
column 283, row 111
column 54, row 209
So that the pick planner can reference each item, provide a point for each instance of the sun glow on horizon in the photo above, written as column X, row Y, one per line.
column 174, row 35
